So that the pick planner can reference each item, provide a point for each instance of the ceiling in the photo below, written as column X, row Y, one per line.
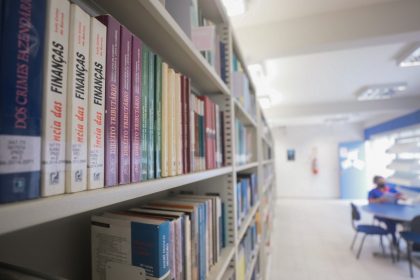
column 317, row 54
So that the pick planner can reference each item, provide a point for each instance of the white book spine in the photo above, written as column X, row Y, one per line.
column 96, row 105
column 76, row 149
column 165, row 127
column 54, row 98
column 178, row 123
column 171, row 113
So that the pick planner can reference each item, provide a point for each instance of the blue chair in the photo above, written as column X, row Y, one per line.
column 412, row 238
column 367, row 230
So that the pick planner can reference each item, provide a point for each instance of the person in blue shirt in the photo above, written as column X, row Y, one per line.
column 382, row 194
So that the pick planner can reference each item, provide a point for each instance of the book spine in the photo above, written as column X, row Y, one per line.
column 188, row 125
column 112, row 81
column 192, row 132
column 54, row 98
column 136, row 72
column 96, row 104
column 178, row 124
column 171, row 117
column 218, row 143
column 144, row 112
column 158, row 116
column 183, row 134
column 203, row 136
column 21, row 79
column 125, row 106
column 76, row 149
column 165, row 127
column 151, row 118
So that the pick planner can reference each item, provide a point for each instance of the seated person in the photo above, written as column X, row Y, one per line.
column 382, row 194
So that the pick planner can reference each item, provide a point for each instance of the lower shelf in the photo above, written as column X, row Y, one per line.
column 251, row 266
column 19, row 215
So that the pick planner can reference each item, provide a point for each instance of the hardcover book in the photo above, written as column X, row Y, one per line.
column 165, row 121
column 112, row 80
column 171, row 123
column 158, row 116
column 136, row 72
column 178, row 124
column 21, row 79
column 53, row 164
column 77, row 96
column 96, row 104
column 151, row 118
column 125, row 106
column 144, row 112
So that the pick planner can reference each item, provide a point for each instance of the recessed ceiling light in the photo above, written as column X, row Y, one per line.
column 235, row 7
column 412, row 58
column 384, row 91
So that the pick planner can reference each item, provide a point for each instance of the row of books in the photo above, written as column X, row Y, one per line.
column 179, row 238
column 247, row 251
column 90, row 105
column 241, row 88
column 245, row 143
column 246, row 195
column 204, row 34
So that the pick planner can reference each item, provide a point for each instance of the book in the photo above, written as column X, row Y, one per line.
column 136, row 241
column 112, row 83
column 144, row 112
column 77, row 105
column 125, row 106
column 21, row 79
column 171, row 123
column 151, row 118
column 165, row 121
column 136, row 86
column 158, row 116
column 53, row 164
column 96, row 105
column 178, row 125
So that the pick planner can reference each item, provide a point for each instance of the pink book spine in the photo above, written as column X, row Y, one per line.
column 125, row 106
column 136, row 111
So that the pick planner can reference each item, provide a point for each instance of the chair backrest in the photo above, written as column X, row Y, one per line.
column 415, row 225
column 355, row 215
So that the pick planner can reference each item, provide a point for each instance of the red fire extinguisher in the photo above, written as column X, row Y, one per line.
column 314, row 162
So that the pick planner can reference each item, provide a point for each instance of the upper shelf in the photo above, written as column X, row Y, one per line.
column 166, row 38
column 243, row 115
column 15, row 216
column 400, row 148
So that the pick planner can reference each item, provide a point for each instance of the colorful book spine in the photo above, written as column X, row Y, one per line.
column 21, row 79
column 112, row 80
column 178, row 124
column 125, row 106
column 165, row 121
column 192, row 132
column 96, row 105
column 53, row 164
column 171, row 123
column 187, row 126
column 151, row 118
column 144, row 112
column 184, row 123
column 136, row 72
column 77, row 97
column 158, row 116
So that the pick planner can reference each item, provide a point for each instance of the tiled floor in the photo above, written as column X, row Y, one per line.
column 311, row 241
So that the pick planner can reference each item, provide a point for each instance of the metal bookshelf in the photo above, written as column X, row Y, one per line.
column 56, row 230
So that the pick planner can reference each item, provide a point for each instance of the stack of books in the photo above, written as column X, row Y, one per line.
column 240, row 88
column 91, row 105
column 180, row 237
column 244, row 138
column 247, row 252
column 246, row 195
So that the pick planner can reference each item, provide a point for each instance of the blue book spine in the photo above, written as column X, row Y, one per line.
column 21, row 76
column 202, row 241
column 150, row 248
column 151, row 118
column 223, row 62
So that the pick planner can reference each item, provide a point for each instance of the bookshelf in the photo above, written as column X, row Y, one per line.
column 52, row 234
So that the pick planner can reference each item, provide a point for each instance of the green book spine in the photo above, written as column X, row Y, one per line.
column 144, row 111
column 151, row 118
column 158, row 115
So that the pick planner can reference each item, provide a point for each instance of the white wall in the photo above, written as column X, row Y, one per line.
column 294, row 178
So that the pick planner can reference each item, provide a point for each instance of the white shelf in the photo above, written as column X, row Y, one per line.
column 405, row 165
column 405, row 179
column 267, row 183
column 247, row 222
column 154, row 25
column 15, row 216
column 268, row 161
column 217, row 271
column 400, row 148
column 253, row 262
column 246, row 166
column 243, row 115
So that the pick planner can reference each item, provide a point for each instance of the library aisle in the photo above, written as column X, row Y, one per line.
column 311, row 240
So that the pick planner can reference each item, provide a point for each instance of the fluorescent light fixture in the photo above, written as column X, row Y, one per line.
column 412, row 58
column 235, row 7
column 385, row 91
